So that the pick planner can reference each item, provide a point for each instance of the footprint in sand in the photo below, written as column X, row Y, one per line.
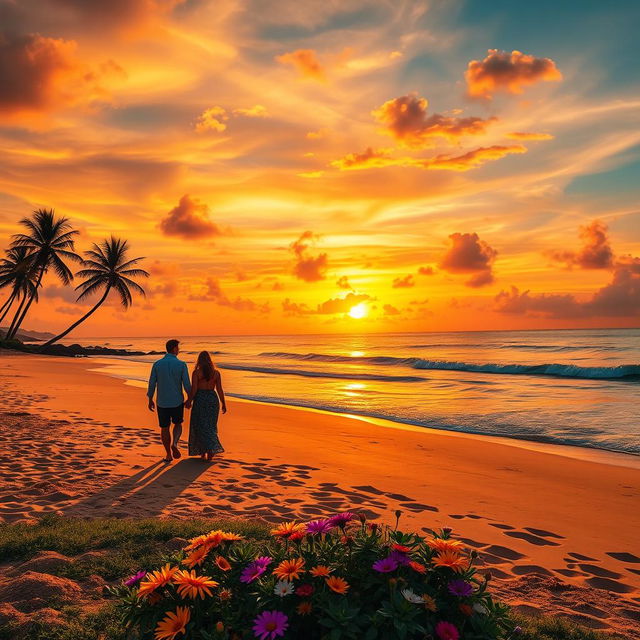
column 623, row 557
column 528, row 569
column 600, row 572
column 543, row 533
column 504, row 552
column 531, row 539
column 579, row 556
column 609, row 585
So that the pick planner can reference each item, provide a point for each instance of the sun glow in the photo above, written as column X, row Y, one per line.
column 358, row 311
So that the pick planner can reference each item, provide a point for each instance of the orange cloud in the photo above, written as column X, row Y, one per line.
column 213, row 293
column 308, row 268
column 377, row 158
column 190, row 220
column 257, row 111
column 390, row 310
column 596, row 252
column 305, row 61
column 39, row 74
column 426, row 271
column 520, row 135
column 342, row 305
column 343, row 283
column 468, row 254
column 405, row 118
column 403, row 283
column 212, row 119
column 506, row 72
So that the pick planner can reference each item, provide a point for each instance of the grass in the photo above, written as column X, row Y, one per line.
column 140, row 543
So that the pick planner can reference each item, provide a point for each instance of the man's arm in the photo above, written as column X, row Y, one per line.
column 186, row 383
column 153, row 381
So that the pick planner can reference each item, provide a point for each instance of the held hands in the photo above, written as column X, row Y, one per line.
column 152, row 405
column 187, row 404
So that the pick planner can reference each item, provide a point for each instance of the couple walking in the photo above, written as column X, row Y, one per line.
column 204, row 397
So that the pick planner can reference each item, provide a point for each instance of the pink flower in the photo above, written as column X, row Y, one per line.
column 447, row 631
column 460, row 588
column 386, row 565
column 254, row 570
column 316, row 527
column 270, row 625
column 340, row 519
column 135, row 578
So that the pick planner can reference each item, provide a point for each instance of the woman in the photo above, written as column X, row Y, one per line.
column 205, row 399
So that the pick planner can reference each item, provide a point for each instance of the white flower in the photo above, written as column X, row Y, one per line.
column 412, row 597
column 283, row 588
column 478, row 607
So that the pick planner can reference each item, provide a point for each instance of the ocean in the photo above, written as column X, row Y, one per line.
column 572, row 387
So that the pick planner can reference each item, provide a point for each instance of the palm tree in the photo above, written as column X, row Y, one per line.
column 50, row 241
column 108, row 268
column 16, row 271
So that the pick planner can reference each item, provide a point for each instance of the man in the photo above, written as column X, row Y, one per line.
column 169, row 375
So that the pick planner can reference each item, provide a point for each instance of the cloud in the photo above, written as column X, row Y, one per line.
column 40, row 75
column 403, row 283
column 596, row 252
column 390, row 310
column 506, row 72
column 189, row 220
column 257, row 111
column 159, row 268
column 213, row 293
column 377, row 158
column 468, row 254
column 212, row 119
column 294, row 309
column 319, row 134
column 343, row 282
column 620, row 298
column 307, row 267
column 521, row 135
column 342, row 305
column 305, row 61
column 426, row 271
column 405, row 118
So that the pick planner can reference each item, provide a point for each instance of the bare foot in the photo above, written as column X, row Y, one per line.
column 167, row 460
column 175, row 451
column 209, row 457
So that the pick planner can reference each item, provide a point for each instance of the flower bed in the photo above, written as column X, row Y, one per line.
column 333, row 579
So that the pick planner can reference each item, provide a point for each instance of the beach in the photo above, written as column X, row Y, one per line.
column 556, row 526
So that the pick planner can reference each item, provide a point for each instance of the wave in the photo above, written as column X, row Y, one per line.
column 321, row 374
column 628, row 372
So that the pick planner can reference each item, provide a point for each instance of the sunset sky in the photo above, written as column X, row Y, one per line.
column 447, row 165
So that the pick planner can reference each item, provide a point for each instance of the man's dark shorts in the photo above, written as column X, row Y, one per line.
column 167, row 415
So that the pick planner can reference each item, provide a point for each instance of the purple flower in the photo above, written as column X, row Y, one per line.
column 135, row 578
column 460, row 588
column 263, row 561
column 386, row 565
column 254, row 570
column 340, row 519
column 270, row 625
column 316, row 527
column 400, row 557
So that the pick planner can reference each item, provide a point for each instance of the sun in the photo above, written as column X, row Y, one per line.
column 359, row 311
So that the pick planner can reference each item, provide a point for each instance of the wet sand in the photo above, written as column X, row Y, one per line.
column 558, row 533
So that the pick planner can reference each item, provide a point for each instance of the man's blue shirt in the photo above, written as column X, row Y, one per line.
column 169, row 375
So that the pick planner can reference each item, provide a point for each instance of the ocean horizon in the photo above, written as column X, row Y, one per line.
column 577, row 387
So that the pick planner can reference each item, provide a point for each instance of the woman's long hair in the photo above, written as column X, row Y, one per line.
column 205, row 365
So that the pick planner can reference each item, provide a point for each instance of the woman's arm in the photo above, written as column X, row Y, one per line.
column 220, row 392
column 194, row 388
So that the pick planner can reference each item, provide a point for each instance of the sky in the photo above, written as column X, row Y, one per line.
column 332, row 166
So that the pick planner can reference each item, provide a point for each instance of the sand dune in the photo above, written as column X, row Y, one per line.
column 558, row 534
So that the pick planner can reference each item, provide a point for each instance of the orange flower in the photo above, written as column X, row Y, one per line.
column 339, row 585
column 287, row 528
column 156, row 579
column 304, row 608
column 400, row 547
column 440, row 544
column 211, row 539
column 196, row 542
column 429, row 602
column 223, row 563
column 289, row 569
column 192, row 586
column 228, row 536
column 173, row 624
column 197, row 556
column 466, row 609
column 418, row 567
column 321, row 571
column 225, row 594
column 297, row 535
column 452, row 560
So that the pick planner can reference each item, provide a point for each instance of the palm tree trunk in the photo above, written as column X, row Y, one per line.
column 75, row 324
column 23, row 302
column 26, row 309
column 6, row 307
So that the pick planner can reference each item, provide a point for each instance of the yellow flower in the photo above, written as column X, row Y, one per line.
column 173, row 624
column 192, row 586
column 440, row 544
column 452, row 560
column 304, row 608
column 429, row 602
column 156, row 579
column 339, row 585
column 289, row 569
column 321, row 571
column 287, row 528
